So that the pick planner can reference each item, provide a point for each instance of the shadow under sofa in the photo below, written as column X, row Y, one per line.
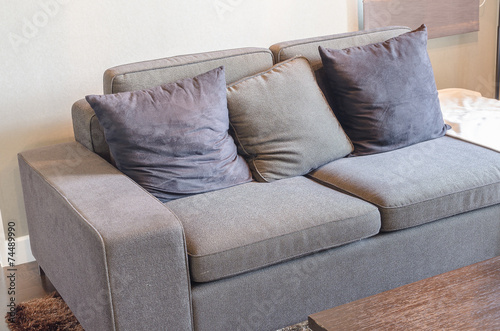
column 257, row 256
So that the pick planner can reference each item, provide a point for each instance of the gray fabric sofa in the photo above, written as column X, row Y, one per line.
column 256, row 256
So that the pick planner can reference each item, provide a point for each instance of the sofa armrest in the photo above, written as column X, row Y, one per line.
column 115, row 253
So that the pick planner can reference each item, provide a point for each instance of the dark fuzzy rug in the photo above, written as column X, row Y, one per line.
column 48, row 314
column 297, row 327
column 52, row 314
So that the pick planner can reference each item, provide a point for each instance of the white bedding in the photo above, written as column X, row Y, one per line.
column 471, row 116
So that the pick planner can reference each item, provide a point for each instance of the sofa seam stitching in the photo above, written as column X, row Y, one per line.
column 406, row 205
column 263, row 51
column 268, row 70
column 289, row 258
column 338, row 38
column 45, row 179
column 450, row 214
column 288, row 234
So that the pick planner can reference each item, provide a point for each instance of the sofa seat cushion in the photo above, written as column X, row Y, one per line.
column 254, row 225
column 419, row 183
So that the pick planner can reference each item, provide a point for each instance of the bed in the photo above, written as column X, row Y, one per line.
column 471, row 116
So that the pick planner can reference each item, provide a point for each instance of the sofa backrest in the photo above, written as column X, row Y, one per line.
column 239, row 63
column 309, row 48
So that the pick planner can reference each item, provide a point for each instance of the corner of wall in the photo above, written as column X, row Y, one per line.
column 16, row 251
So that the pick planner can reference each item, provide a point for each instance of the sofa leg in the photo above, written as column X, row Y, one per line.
column 40, row 271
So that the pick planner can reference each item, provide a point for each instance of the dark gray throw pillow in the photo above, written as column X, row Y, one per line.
column 173, row 139
column 384, row 94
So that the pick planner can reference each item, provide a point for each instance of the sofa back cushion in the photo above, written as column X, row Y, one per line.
column 238, row 63
column 308, row 48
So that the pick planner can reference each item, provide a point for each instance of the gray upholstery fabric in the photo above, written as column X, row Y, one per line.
column 286, row 293
column 308, row 47
column 87, row 129
column 238, row 63
column 253, row 225
column 106, row 244
column 85, row 242
column 282, row 122
column 118, row 256
column 173, row 139
column 419, row 183
column 384, row 94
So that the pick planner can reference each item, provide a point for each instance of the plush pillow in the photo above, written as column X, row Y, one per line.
column 282, row 122
column 384, row 94
column 173, row 139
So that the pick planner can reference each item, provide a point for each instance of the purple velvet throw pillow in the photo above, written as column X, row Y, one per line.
column 173, row 139
column 384, row 94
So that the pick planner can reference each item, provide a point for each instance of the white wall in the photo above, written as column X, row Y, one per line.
column 53, row 52
column 468, row 60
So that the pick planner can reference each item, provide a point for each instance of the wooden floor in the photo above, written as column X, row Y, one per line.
column 27, row 284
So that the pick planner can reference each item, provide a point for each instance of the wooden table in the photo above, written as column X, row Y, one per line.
column 464, row 299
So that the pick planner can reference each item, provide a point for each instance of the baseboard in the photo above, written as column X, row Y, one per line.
column 22, row 252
